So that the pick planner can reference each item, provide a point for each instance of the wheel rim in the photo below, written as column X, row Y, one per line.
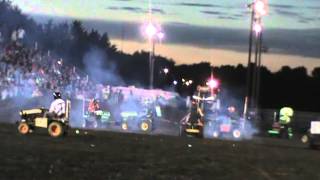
column 304, row 139
column 215, row 134
column 236, row 134
column 55, row 130
column 23, row 129
column 124, row 126
column 144, row 126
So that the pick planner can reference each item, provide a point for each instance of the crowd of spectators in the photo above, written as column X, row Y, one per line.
column 29, row 72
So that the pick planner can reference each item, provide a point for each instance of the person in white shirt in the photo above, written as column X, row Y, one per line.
column 58, row 106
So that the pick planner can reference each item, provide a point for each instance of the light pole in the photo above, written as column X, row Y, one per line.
column 258, row 10
column 153, row 34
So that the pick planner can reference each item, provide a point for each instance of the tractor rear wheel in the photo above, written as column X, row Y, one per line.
column 146, row 126
column 23, row 128
column 55, row 129
column 124, row 126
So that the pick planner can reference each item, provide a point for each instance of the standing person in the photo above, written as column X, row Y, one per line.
column 93, row 106
column 94, row 118
column 286, row 115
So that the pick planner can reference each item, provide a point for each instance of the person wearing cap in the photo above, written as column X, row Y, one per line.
column 57, row 107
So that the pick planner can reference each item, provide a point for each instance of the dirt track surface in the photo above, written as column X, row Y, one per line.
column 112, row 155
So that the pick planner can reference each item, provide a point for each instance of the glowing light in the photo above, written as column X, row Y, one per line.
column 187, row 83
column 160, row 35
column 150, row 30
column 215, row 134
column 257, row 28
column 260, row 8
column 231, row 109
column 183, row 80
column 212, row 83
column 175, row 82
column 166, row 70
column 190, row 81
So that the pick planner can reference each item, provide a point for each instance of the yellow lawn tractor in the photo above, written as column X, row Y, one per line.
column 37, row 118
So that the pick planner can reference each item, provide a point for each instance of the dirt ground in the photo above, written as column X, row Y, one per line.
column 112, row 155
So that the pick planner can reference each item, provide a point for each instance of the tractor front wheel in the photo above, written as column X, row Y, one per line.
column 23, row 128
column 55, row 129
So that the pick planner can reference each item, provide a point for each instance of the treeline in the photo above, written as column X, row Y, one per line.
column 71, row 41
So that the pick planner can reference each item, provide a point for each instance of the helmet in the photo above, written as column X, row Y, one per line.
column 56, row 95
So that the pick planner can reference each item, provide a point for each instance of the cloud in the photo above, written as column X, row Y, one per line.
column 197, row 5
column 307, row 20
column 287, row 13
column 228, row 17
column 314, row 7
column 222, row 15
column 157, row 10
column 298, row 16
column 303, row 42
column 135, row 9
column 211, row 12
column 129, row 9
column 282, row 6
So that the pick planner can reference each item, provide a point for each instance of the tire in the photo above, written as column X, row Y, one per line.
column 124, row 126
column 146, row 126
column 23, row 128
column 56, row 129
column 236, row 133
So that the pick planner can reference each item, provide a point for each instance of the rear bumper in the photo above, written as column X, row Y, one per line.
column 192, row 131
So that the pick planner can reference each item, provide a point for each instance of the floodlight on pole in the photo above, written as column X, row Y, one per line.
column 257, row 28
column 160, row 35
column 213, row 83
column 150, row 31
column 260, row 7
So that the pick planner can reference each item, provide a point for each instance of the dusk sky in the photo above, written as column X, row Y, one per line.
column 198, row 30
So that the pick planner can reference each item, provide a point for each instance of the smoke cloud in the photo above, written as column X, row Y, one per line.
column 100, row 69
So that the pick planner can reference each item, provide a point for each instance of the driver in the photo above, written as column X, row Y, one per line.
column 196, row 114
column 93, row 106
column 57, row 107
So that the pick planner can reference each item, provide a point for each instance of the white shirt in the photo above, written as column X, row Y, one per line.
column 58, row 107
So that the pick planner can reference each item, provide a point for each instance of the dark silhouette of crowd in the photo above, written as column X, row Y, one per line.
column 29, row 72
